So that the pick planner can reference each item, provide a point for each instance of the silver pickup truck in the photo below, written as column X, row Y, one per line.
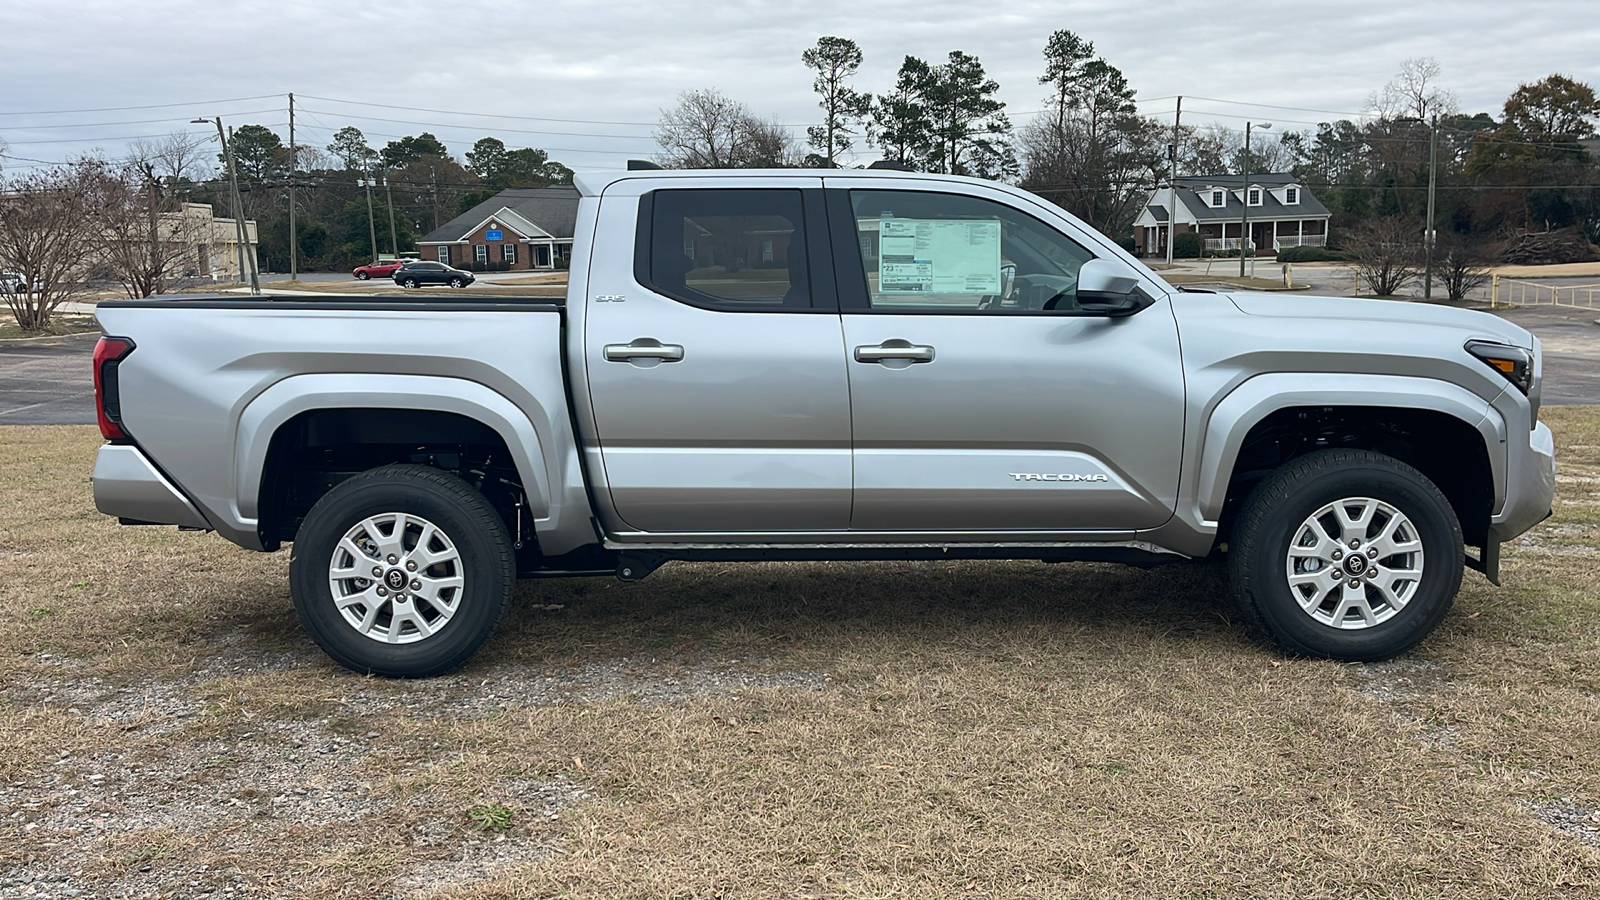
column 840, row 365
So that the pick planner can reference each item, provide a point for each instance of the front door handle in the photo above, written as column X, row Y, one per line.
column 894, row 351
column 644, row 349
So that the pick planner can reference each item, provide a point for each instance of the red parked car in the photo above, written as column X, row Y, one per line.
column 383, row 268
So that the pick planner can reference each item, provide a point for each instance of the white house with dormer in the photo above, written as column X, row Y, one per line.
column 1282, row 214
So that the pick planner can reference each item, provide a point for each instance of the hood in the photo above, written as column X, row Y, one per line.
column 1474, row 325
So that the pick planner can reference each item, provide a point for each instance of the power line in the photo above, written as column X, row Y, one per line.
column 252, row 112
column 64, row 112
column 455, row 112
column 1331, row 112
column 440, row 125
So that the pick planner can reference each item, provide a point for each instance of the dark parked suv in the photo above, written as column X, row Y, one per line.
column 422, row 274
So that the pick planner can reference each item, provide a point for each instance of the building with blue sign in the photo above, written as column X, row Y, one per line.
column 516, row 229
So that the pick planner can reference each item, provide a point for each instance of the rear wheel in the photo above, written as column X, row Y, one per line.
column 402, row 571
column 409, row 282
column 1346, row 554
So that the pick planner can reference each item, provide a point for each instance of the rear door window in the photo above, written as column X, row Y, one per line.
column 738, row 250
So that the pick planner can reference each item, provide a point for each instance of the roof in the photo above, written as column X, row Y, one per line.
column 1160, row 212
column 1189, row 188
column 532, row 212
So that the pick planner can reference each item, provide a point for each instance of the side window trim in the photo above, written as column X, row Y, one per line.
column 824, row 286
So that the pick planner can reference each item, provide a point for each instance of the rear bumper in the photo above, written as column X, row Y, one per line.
column 127, row 486
column 1530, row 485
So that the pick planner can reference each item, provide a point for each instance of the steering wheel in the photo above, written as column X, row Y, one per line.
column 1055, row 301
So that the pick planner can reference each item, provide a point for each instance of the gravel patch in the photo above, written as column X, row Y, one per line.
column 1570, row 818
column 183, row 771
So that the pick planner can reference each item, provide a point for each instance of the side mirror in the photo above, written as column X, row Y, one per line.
column 1108, row 287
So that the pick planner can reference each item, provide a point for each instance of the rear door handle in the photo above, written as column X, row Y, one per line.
column 894, row 350
column 642, row 349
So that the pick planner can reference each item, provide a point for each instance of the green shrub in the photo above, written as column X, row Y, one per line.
column 1310, row 254
column 1127, row 244
column 1187, row 245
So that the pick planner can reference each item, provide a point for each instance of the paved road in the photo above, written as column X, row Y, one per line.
column 1571, row 339
column 48, row 382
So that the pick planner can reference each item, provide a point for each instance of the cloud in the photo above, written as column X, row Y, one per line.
column 622, row 62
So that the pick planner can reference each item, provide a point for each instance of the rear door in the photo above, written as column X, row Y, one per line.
column 715, row 359
column 982, row 398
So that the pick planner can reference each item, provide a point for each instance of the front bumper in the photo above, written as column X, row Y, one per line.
column 1530, row 485
column 128, row 486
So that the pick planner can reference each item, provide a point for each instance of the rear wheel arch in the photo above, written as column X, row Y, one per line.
column 376, row 420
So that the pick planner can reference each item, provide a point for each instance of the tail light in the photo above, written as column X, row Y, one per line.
column 107, row 400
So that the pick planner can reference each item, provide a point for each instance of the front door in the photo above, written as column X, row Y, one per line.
column 982, row 398
column 715, row 359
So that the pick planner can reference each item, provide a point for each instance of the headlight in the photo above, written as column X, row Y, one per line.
column 1513, row 363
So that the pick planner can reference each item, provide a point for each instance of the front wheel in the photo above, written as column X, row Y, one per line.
column 402, row 571
column 362, row 276
column 1346, row 554
column 457, row 283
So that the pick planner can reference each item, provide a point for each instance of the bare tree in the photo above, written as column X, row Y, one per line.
column 1414, row 92
column 1462, row 266
column 141, row 235
column 708, row 130
column 172, row 159
column 41, row 219
column 1385, row 253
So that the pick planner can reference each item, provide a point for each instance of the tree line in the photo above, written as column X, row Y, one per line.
column 1091, row 151
column 120, row 223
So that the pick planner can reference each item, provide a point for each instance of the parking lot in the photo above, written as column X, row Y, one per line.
column 47, row 382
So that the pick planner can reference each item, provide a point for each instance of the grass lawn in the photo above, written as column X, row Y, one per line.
column 60, row 324
column 786, row 730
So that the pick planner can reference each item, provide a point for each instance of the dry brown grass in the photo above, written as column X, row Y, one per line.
column 826, row 730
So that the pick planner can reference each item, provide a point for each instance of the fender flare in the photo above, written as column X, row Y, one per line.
column 1231, row 419
column 260, row 420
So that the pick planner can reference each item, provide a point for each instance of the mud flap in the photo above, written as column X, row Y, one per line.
column 1487, row 560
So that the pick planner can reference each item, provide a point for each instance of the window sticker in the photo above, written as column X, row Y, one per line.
column 938, row 256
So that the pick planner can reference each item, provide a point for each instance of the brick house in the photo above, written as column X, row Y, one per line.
column 516, row 229
column 1283, row 214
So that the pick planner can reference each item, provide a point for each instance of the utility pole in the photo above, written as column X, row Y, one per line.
column 388, row 198
column 294, row 243
column 1428, row 238
column 240, row 234
column 238, row 205
column 157, row 269
column 372, row 231
column 1244, row 217
column 1172, row 185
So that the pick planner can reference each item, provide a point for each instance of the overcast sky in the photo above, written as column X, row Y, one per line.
column 459, row 68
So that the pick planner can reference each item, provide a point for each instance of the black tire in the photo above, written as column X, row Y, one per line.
column 1278, row 512
column 457, row 283
column 483, row 559
column 409, row 282
column 362, row 276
